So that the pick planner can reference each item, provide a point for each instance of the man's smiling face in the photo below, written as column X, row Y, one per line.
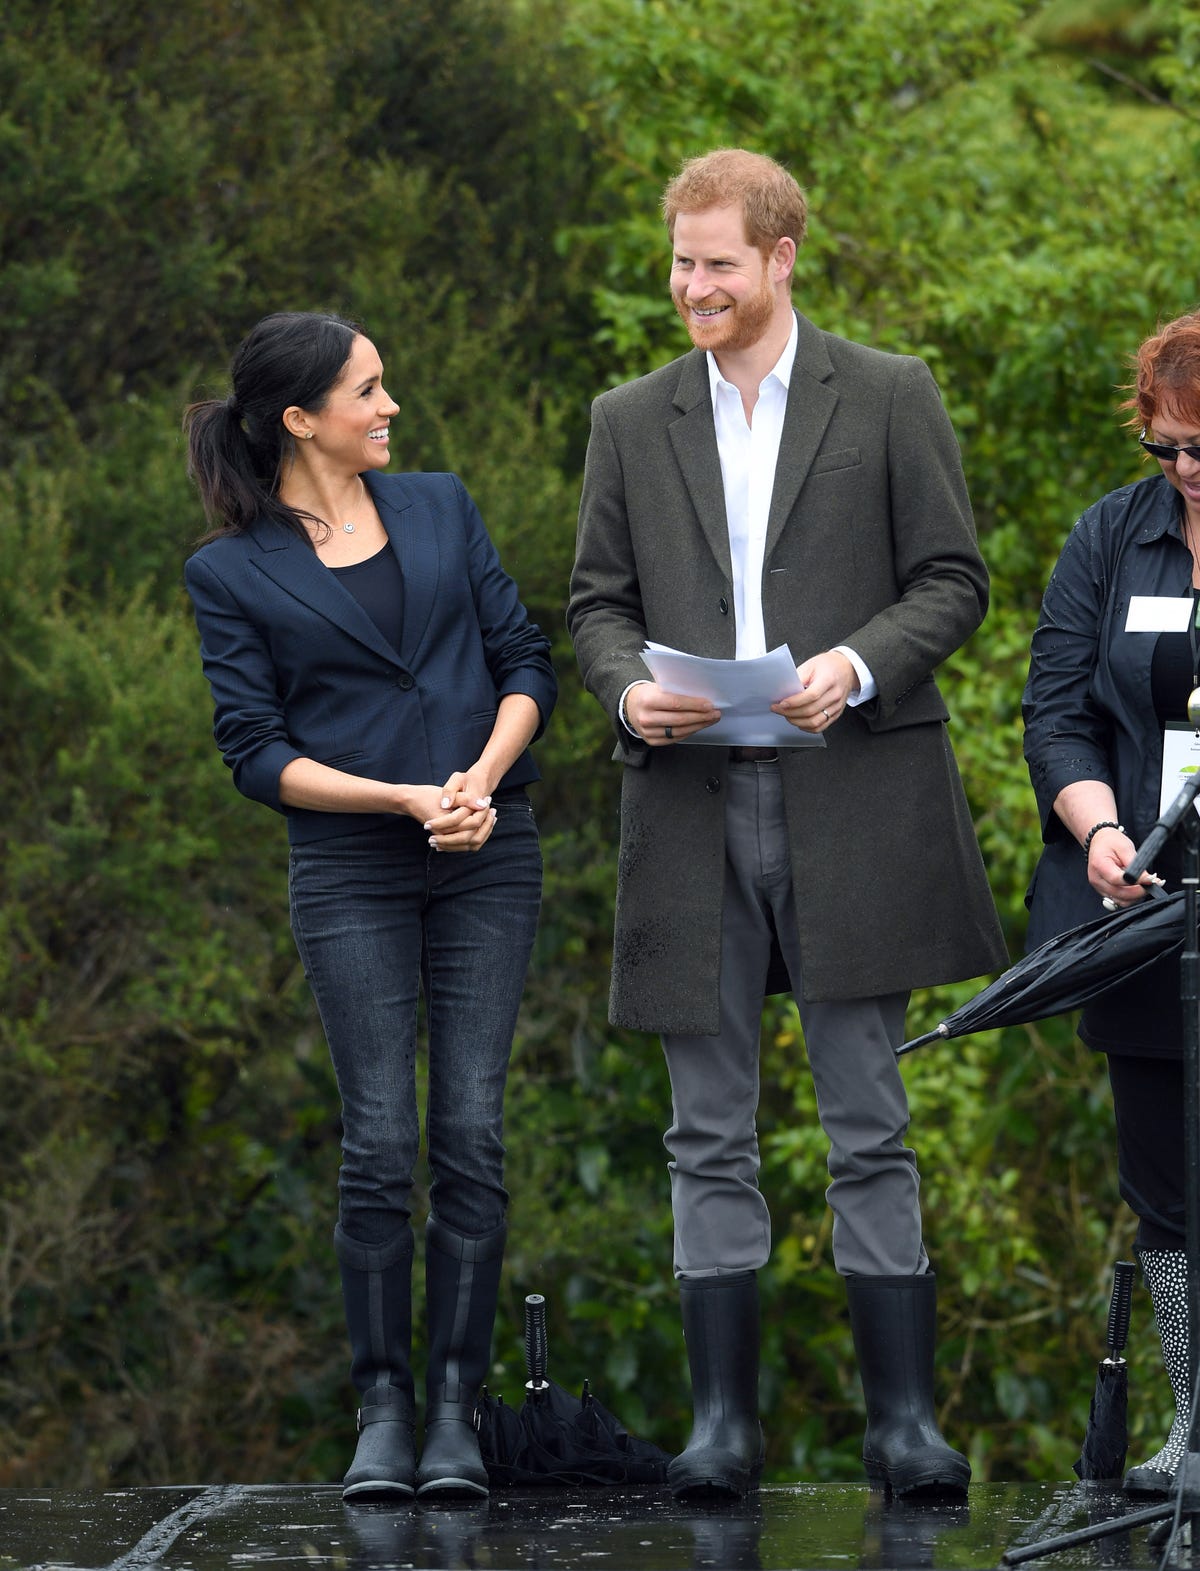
column 720, row 283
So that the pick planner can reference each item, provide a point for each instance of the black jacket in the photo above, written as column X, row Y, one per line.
column 1088, row 708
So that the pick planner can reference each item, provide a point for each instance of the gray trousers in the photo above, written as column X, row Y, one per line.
column 722, row 1223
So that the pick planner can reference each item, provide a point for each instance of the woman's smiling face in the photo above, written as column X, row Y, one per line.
column 352, row 427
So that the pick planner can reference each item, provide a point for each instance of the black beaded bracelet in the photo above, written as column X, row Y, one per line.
column 1105, row 823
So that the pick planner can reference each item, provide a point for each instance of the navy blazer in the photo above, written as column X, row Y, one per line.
column 299, row 670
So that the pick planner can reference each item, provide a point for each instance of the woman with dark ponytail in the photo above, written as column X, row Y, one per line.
column 377, row 681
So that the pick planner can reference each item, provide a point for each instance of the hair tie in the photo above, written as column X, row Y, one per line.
column 234, row 408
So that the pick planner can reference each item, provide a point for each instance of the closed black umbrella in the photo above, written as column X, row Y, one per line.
column 555, row 1437
column 1069, row 969
column 1104, row 1444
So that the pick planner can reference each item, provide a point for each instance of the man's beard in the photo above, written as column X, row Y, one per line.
column 740, row 327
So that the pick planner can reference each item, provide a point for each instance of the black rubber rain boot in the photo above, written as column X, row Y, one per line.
column 377, row 1290
column 724, row 1457
column 1166, row 1275
column 894, row 1321
column 462, row 1279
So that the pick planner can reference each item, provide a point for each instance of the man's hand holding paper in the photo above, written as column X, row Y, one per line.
column 725, row 703
column 828, row 682
column 662, row 718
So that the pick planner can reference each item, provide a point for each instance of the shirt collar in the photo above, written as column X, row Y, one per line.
column 1164, row 514
column 781, row 370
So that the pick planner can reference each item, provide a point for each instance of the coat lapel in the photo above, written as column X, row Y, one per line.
column 413, row 535
column 298, row 570
column 810, row 406
column 694, row 439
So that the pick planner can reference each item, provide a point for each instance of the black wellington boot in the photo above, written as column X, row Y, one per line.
column 894, row 1321
column 724, row 1457
column 377, row 1290
column 462, row 1279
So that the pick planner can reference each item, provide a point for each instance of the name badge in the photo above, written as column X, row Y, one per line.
column 1158, row 614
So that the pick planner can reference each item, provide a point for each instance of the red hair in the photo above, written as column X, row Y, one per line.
column 1166, row 371
column 772, row 203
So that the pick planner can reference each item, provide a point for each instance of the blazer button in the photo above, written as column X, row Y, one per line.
column 712, row 783
column 404, row 680
column 723, row 606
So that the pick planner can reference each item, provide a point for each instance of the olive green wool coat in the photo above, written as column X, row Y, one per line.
column 870, row 543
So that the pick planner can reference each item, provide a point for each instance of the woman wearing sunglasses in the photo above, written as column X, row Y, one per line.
column 1114, row 659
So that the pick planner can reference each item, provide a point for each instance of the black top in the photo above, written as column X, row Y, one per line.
column 378, row 587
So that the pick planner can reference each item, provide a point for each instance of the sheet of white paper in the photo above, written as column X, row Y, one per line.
column 743, row 690
column 1158, row 614
column 1181, row 759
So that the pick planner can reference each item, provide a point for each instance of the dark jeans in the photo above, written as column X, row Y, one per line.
column 377, row 917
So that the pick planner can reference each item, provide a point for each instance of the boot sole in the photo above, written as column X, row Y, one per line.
column 713, row 1483
column 451, row 1487
column 1148, row 1482
column 378, row 1489
column 713, row 1489
column 935, row 1483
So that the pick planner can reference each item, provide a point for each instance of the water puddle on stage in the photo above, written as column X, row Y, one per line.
column 306, row 1528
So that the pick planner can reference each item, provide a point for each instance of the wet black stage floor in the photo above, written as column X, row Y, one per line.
column 307, row 1528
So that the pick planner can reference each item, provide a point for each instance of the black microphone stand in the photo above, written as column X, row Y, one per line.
column 1179, row 819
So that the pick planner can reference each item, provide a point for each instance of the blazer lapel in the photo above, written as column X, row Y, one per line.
column 298, row 570
column 694, row 439
column 411, row 530
column 810, row 406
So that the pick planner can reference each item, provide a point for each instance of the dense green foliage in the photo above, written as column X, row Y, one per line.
column 999, row 186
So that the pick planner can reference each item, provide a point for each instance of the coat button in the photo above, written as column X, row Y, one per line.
column 712, row 783
column 404, row 680
column 723, row 606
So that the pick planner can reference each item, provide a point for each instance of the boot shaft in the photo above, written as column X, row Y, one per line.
column 377, row 1294
column 720, row 1317
column 1165, row 1273
column 893, row 1320
column 462, row 1281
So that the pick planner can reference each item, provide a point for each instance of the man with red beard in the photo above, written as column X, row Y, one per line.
column 779, row 485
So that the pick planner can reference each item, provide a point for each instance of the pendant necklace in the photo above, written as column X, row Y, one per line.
column 348, row 528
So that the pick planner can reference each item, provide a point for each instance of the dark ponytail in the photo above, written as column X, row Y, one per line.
column 238, row 446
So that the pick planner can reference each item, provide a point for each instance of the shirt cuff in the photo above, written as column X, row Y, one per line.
column 641, row 682
column 867, row 687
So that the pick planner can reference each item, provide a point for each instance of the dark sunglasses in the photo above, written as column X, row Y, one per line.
column 1166, row 452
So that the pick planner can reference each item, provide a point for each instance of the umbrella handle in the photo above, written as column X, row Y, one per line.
column 1124, row 1273
column 536, row 1351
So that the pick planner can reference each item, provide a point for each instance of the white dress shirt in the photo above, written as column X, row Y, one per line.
column 749, row 452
